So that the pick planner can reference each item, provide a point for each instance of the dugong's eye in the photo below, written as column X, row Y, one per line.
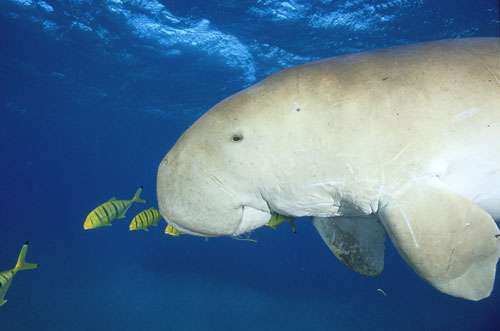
column 237, row 137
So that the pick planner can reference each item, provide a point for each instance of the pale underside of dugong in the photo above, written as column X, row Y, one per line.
column 404, row 141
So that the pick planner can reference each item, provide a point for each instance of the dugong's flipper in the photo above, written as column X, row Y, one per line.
column 447, row 239
column 356, row 241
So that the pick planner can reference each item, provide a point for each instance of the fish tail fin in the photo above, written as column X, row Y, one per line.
column 137, row 196
column 21, row 263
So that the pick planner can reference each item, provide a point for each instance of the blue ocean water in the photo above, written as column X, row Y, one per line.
column 94, row 93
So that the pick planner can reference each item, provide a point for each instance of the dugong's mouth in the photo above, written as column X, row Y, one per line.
column 251, row 219
column 188, row 231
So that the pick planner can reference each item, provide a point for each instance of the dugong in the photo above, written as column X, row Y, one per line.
column 403, row 141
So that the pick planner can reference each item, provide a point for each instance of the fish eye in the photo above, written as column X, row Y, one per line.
column 237, row 137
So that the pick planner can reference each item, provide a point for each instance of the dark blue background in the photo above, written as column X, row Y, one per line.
column 94, row 93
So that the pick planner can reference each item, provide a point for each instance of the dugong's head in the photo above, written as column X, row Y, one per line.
column 210, row 182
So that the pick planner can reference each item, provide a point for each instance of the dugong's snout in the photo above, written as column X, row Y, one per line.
column 199, row 202
column 189, row 201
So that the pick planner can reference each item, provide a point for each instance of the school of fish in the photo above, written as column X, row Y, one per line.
column 103, row 216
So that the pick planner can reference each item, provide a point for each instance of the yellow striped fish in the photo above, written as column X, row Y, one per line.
column 171, row 231
column 110, row 210
column 277, row 219
column 145, row 219
column 6, row 277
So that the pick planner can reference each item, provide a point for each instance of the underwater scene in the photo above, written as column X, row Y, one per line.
column 100, row 230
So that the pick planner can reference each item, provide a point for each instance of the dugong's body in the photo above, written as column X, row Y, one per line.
column 405, row 140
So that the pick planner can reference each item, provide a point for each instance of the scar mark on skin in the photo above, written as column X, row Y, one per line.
column 397, row 156
column 450, row 260
column 485, row 66
column 220, row 184
column 216, row 179
column 466, row 114
column 491, row 73
column 495, row 77
column 407, row 221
